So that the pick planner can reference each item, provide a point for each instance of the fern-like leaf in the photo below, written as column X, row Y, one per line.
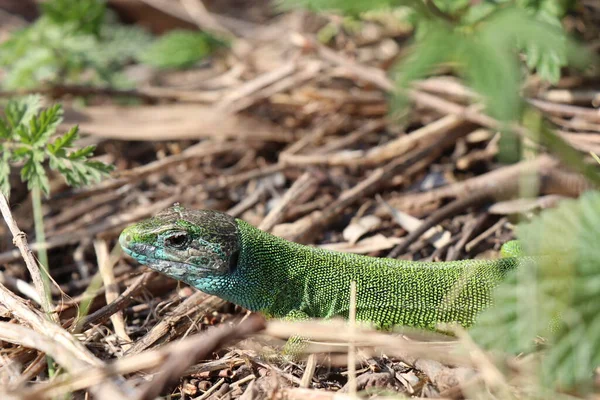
column 5, row 131
column 64, row 142
column 20, row 112
column 33, row 172
column 44, row 125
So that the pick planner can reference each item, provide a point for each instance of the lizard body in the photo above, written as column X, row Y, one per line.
column 231, row 259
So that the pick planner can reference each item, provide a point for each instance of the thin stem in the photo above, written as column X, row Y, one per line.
column 40, row 237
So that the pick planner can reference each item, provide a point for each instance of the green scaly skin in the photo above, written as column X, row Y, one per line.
column 229, row 258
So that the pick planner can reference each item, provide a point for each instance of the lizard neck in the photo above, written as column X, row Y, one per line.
column 263, row 274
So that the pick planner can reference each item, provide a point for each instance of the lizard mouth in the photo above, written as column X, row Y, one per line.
column 147, row 254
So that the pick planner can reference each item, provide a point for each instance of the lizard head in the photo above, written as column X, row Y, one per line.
column 188, row 245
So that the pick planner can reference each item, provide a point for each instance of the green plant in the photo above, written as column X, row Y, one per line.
column 480, row 42
column 179, row 49
column 555, row 298
column 80, row 42
column 73, row 42
column 87, row 16
column 26, row 142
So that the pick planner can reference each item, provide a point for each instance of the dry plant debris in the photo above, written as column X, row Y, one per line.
column 294, row 137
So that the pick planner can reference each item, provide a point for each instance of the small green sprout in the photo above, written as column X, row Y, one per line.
column 26, row 141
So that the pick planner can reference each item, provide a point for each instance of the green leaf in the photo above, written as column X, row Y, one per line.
column 436, row 45
column 555, row 297
column 546, row 46
column 354, row 7
column 33, row 172
column 58, row 50
column 5, row 156
column 86, row 15
column 64, row 142
column 120, row 45
column 44, row 125
column 179, row 49
column 76, row 167
column 99, row 167
column 492, row 69
column 20, row 111
column 31, row 147
column 21, row 152
column 82, row 154
column 5, row 131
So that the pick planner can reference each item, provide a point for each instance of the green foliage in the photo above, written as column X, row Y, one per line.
column 555, row 297
column 352, row 7
column 80, row 42
column 481, row 42
column 179, row 49
column 25, row 134
column 71, row 43
column 484, row 49
column 86, row 15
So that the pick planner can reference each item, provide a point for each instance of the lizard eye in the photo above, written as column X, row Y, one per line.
column 177, row 240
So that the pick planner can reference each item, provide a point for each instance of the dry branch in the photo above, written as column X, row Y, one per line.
column 180, row 357
column 278, row 212
column 73, row 354
column 197, row 304
column 198, row 346
column 497, row 180
column 19, row 239
column 173, row 122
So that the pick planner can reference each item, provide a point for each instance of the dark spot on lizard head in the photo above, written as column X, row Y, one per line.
column 184, row 244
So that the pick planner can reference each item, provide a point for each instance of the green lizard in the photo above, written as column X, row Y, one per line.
column 230, row 258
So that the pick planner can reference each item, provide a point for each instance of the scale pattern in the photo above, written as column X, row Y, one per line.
column 283, row 279
column 231, row 259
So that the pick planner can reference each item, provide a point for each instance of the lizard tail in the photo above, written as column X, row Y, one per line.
column 512, row 248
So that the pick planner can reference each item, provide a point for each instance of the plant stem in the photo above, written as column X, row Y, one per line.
column 40, row 237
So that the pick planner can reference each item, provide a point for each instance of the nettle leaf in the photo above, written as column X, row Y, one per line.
column 556, row 297
column 492, row 69
column 571, row 233
column 436, row 45
column 452, row 7
column 540, row 35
